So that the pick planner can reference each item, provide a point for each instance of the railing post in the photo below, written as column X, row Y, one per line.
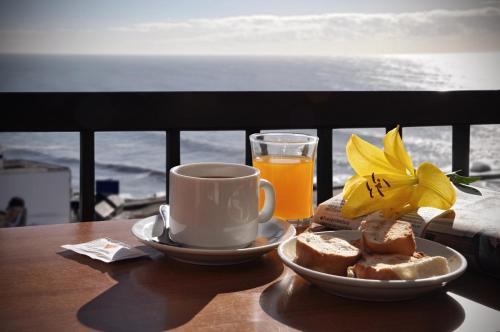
column 87, row 176
column 324, row 182
column 461, row 149
column 173, row 154
column 248, row 147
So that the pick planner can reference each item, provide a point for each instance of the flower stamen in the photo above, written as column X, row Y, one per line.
column 370, row 190
column 379, row 191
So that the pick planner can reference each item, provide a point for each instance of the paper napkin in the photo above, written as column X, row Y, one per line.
column 106, row 250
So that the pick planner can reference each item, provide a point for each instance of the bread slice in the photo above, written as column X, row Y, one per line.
column 357, row 243
column 400, row 267
column 388, row 237
column 325, row 253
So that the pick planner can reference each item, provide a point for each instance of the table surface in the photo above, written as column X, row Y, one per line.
column 45, row 287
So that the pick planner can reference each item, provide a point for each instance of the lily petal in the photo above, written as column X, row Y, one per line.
column 396, row 153
column 351, row 184
column 366, row 158
column 362, row 201
column 434, row 189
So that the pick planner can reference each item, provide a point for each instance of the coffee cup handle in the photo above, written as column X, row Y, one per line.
column 269, row 203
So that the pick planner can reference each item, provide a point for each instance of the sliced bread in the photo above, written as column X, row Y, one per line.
column 388, row 237
column 325, row 253
column 400, row 267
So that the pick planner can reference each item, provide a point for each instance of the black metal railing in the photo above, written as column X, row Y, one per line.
column 173, row 112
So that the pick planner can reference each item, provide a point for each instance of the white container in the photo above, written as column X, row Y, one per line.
column 45, row 189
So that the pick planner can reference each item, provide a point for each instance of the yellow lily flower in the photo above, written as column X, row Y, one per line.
column 386, row 180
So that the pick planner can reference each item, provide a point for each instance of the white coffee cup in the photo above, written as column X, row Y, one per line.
column 216, row 205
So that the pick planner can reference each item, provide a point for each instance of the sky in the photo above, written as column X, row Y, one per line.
column 258, row 27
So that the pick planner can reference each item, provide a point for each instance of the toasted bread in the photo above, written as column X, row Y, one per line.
column 400, row 267
column 388, row 237
column 325, row 253
column 357, row 243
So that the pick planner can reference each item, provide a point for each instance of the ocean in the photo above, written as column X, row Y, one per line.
column 137, row 159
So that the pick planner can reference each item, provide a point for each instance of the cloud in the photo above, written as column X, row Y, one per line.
column 330, row 26
column 435, row 30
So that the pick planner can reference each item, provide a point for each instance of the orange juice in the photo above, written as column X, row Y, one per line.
column 292, row 178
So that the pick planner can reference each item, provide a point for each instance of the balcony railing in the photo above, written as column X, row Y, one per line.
column 173, row 112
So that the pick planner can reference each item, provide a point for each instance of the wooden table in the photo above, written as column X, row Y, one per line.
column 44, row 287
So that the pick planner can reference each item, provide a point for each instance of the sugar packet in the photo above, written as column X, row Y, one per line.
column 106, row 250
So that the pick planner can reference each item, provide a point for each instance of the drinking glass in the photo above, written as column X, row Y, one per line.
column 287, row 161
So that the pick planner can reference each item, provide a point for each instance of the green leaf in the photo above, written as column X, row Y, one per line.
column 459, row 179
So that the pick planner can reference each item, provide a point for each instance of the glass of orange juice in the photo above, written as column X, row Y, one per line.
column 287, row 161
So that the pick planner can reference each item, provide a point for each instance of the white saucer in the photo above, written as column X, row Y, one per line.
column 376, row 290
column 270, row 234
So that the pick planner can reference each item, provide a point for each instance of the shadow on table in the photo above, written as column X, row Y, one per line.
column 477, row 287
column 159, row 294
column 298, row 304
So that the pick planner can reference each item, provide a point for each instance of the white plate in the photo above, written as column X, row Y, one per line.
column 376, row 290
column 270, row 235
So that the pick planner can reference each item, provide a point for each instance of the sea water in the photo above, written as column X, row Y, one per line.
column 137, row 159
